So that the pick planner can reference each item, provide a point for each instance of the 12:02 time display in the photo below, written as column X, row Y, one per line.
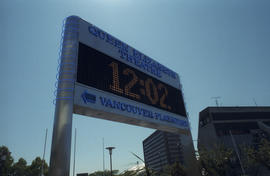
column 149, row 89
column 105, row 73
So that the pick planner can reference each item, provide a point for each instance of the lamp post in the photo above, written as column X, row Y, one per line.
column 110, row 152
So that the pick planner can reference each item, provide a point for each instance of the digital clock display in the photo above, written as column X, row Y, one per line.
column 98, row 70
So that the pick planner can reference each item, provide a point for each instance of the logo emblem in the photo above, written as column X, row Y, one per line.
column 88, row 98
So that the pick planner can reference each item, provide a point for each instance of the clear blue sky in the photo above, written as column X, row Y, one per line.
column 219, row 48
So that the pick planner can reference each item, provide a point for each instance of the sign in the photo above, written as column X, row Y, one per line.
column 117, row 82
column 101, row 76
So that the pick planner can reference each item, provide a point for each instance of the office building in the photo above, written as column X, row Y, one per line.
column 161, row 149
column 234, row 127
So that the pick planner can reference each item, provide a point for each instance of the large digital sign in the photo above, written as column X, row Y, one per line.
column 103, row 72
column 101, row 76
column 116, row 82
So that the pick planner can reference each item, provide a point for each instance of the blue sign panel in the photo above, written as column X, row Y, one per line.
column 117, row 82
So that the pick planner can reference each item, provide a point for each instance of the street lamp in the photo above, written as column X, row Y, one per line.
column 110, row 152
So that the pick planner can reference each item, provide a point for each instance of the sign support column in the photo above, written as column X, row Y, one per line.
column 62, row 130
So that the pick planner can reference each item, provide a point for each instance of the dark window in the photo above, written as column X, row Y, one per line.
column 233, row 131
column 240, row 127
column 240, row 115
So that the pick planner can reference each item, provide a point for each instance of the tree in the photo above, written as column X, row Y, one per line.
column 263, row 153
column 175, row 169
column 129, row 173
column 215, row 162
column 249, row 160
column 256, row 156
column 105, row 173
column 178, row 170
column 6, row 161
column 20, row 168
column 36, row 166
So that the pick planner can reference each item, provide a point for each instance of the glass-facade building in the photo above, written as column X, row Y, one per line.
column 161, row 149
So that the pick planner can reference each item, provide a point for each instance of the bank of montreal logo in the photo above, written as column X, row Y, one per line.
column 88, row 98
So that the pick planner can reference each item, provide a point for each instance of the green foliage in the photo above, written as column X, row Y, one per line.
column 6, row 161
column 263, row 153
column 36, row 166
column 105, row 173
column 170, row 170
column 129, row 173
column 20, row 168
column 178, row 170
column 256, row 156
column 175, row 169
column 249, row 161
column 116, row 173
column 221, row 161
column 216, row 162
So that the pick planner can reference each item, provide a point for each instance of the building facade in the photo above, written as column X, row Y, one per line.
column 161, row 149
column 234, row 127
